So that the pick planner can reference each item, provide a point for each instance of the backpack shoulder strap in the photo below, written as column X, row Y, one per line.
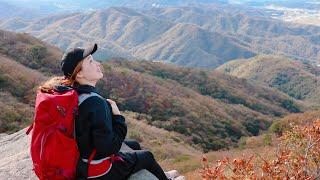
column 83, row 97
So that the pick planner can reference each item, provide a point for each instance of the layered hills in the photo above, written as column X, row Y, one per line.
column 211, row 110
column 195, row 36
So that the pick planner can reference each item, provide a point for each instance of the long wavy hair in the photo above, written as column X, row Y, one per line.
column 49, row 85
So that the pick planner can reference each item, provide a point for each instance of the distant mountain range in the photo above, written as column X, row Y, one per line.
column 55, row 6
column 296, row 4
column 199, row 36
column 252, row 29
column 8, row 10
column 67, row 6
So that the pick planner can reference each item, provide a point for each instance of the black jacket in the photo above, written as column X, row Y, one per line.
column 96, row 126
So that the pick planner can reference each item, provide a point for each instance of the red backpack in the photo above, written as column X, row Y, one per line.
column 53, row 149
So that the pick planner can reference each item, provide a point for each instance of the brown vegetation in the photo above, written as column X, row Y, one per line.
column 297, row 157
column 30, row 52
column 299, row 80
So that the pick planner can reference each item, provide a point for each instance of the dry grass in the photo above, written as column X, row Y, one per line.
column 173, row 153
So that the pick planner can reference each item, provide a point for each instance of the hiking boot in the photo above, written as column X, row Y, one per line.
column 172, row 174
column 177, row 178
column 180, row 178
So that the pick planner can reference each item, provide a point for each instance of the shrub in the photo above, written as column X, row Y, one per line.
column 278, row 127
column 289, row 105
column 297, row 157
column 36, row 52
column 242, row 142
column 267, row 139
column 252, row 126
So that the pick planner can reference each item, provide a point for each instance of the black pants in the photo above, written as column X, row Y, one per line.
column 146, row 160
column 133, row 144
column 134, row 161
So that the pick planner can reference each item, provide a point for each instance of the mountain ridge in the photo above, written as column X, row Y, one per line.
column 152, row 34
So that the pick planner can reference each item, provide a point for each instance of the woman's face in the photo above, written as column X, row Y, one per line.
column 90, row 70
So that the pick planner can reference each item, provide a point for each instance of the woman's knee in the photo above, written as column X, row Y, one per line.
column 149, row 154
column 133, row 144
column 145, row 156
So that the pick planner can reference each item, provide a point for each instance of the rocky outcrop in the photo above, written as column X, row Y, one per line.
column 15, row 160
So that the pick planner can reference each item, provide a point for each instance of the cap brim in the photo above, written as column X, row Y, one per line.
column 90, row 50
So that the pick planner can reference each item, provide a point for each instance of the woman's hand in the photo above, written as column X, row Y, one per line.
column 115, row 109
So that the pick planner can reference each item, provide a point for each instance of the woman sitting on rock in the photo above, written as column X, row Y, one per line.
column 101, row 126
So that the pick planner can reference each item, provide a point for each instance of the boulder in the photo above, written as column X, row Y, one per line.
column 15, row 161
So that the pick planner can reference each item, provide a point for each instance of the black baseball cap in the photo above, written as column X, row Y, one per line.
column 71, row 58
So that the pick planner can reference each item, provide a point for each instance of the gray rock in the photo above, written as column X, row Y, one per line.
column 15, row 161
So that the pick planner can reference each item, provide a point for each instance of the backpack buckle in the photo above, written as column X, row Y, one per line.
column 61, row 110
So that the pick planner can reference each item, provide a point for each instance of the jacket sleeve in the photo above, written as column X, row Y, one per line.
column 107, row 134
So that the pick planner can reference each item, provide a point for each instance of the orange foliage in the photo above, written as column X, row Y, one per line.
column 297, row 157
